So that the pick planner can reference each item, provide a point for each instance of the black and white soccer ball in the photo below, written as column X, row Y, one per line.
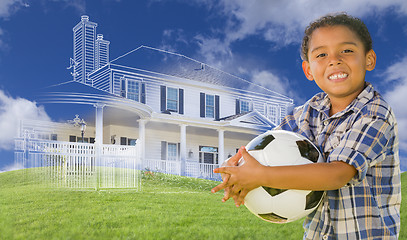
column 282, row 148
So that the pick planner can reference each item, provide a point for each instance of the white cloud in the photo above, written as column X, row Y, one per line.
column 215, row 51
column 282, row 22
column 8, row 7
column 396, row 96
column 270, row 81
column 11, row 111
column 279, row 22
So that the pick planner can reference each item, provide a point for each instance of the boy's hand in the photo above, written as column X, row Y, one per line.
column 231, row 162
column 241, row 180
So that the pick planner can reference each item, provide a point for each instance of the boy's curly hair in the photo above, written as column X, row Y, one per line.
column 354, row 24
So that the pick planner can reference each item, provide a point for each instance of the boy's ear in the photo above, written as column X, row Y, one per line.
column 370, row 60
column 307, row 70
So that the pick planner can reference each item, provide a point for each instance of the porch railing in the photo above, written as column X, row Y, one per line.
column 81, row 165
column 85, row 165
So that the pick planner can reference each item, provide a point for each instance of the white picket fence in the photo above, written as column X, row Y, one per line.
column 81, row 165
column 85, row 165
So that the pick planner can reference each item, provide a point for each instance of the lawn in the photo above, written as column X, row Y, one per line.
column 167, row 207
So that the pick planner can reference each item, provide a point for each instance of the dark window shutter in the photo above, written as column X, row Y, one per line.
column 163, row 98
column 237, row 106
column 163, row 150
column 202, row 104
column 216, row 107
column 143, row 93
column 181, row 101
column 123, row 88
column 123, row 141
column 91, row 140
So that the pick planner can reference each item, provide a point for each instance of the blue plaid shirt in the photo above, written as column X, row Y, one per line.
column 365, row 136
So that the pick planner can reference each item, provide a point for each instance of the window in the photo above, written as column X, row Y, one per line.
column 131, row 142
column 272, row 113
column 54, row 137
column 244, row 106
column 172, row 152
column 132, row 89
column 209, row 106
column 72, row 138
column 128, row 141
column 85, row 140
column 208, row 154
column 172, row 99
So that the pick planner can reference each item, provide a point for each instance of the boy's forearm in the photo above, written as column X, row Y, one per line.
column 316, row 176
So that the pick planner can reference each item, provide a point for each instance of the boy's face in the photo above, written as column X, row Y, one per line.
column 337, row 61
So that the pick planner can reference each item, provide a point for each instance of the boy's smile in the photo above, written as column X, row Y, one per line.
column 337, row 61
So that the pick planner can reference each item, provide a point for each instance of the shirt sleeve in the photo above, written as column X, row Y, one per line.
column 364, row 145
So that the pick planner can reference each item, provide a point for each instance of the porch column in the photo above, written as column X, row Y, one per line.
column 98, row 141
column 142, row 137
column 183, row 148
column 221, row 149
column 99, row 123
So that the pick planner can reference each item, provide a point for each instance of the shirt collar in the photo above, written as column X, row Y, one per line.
column 321, row 102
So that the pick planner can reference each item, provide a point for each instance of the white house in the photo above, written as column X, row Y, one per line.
column 185, row 116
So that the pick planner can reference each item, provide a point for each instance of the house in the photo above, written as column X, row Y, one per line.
column 185, row 116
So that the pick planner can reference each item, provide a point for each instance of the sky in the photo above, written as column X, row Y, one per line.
column 255, row 40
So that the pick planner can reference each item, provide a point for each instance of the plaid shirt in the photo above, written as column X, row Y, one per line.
column 363, row 135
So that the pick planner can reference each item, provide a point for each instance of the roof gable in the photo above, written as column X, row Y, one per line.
column 253, row 119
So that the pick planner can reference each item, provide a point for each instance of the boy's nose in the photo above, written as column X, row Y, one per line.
column 335, row 60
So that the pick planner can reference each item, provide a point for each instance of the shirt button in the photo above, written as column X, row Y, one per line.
column 325, row 237
column 325, row 123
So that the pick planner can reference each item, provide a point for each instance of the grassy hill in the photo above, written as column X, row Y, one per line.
column 167, row 207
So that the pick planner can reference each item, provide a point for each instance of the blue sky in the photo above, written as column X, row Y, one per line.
column 255, row 40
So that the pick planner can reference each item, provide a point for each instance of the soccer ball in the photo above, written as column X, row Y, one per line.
column 282, row 148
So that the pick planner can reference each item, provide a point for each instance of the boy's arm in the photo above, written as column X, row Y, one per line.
column 316, row 176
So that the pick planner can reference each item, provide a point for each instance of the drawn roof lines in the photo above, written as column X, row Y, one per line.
column 178, row 65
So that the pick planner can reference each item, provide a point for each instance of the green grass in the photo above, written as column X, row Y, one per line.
column 168, row 207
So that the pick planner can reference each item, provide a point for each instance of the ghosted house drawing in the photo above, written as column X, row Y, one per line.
column 184, row 116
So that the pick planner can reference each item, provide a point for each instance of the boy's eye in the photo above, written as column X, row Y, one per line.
column 347, row 51
column 321, row 55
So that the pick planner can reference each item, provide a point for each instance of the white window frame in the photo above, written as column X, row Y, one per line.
column 171, row 156
column 244, row 102
column 124, row 90
column 209, row 108
column 202, row 152
column 273, row 112
column 174, row 101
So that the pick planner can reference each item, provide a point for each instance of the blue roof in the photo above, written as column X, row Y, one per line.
column 177, row 65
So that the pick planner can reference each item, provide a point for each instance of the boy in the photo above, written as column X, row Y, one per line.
column 354, row 128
